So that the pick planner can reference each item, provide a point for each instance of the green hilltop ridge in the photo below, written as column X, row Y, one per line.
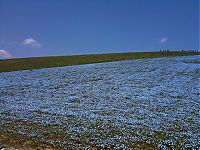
column 7, row 65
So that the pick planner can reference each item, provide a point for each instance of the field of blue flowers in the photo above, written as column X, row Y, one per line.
column 123, row 104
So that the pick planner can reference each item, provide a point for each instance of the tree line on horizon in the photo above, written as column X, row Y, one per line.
column 189, row 50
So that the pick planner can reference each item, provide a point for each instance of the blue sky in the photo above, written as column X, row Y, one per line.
column 66, row 27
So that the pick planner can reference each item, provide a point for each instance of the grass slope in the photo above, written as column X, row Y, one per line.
column 57, row 61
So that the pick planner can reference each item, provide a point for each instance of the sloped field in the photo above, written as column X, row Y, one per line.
column 147, row 103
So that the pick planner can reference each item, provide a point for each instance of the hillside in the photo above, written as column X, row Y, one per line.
column 57, row 61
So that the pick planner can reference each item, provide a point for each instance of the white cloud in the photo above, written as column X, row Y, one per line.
column 5, row 54
column 163, row 40
column 31, row 42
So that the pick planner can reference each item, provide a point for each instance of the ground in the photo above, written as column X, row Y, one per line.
column 140, row 104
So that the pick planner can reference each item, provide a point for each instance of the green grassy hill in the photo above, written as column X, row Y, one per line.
column 56, row 61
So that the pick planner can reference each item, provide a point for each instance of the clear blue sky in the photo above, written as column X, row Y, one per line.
column 65, row 27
